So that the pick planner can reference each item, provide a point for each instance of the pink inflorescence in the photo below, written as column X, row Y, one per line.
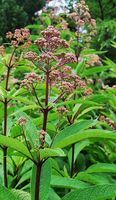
column 20, row 36
column 67, row 58
column 30, row 56
column 29, row 79
column 21, row 121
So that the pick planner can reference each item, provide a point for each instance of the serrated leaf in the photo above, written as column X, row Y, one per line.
column 101, row 192
column 6, row 194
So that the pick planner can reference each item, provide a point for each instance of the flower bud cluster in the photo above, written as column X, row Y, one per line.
column 30, row 79
column 93, row 60
column 108, row 121
column 19, row 37
column 51, row 40
column 62, row 110
column 67, row 58
column 66, row 80
column 88, row 92
column 47, row 56
column 42, row 134
column 82, row 18
column 21, row 121
column 48, row 45
column 30, row 56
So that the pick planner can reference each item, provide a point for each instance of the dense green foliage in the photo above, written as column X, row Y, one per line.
column 57, row 111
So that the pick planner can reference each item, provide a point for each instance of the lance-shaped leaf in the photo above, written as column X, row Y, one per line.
column 49, row 152
column 101, row 192
column 68, row 136
column 14, row 144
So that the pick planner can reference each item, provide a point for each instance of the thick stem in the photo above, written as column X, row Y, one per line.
column 5, row 121
column 46, row 110
column 45, row 115
column 47, row 89
column 5, row 132
column 37, row 184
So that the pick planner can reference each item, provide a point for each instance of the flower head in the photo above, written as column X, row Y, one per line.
column 30, row 79
column 30, row 56
column 19, row 37
column 21, row 121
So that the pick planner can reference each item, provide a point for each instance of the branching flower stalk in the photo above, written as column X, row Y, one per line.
column 56, row 74
column 19, row 36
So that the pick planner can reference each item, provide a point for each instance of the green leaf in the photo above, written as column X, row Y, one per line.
column 77, row 149
column 9, row 125
column 29, row 128
column 49, row 152
column 95, row 70
column 21, row 195
column 45, row 179
column 14, row 144
column 6, row 194
column 102, row 167
column 101, row 192
column 62, row 139
column 47, row 21
column 24, row 109
column 93, row 178
column 73, row 129
column 3, row 93
column 33, row 178
column 53, row 195
column 63, row 182
column 80, row 68
column 88, row 110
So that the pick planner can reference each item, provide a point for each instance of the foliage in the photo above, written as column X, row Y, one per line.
column 57, row 115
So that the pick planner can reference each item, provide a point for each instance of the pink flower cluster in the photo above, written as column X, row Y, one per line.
column 30, row 56
column 82, row 18
column 48, row 46
column 93, row 60
column 20, row 36
column 21, row 121
column 67, row 58
column 66, row 80
column 51, row 40
column 30, row 79
column 50, row 32
column 108, row 121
